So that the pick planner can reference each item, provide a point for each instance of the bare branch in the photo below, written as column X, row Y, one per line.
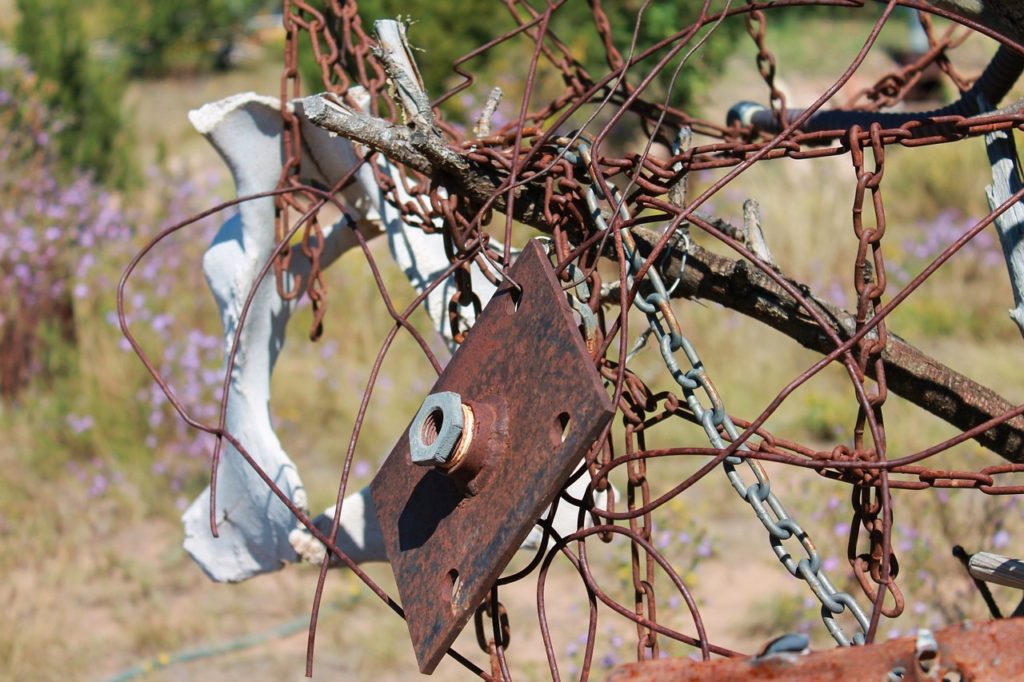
column 735, row 284
column 395, row 55
column 753, row 233
column 426, row 152
column 909, row 373
column 483, row 123
column 388, row 138
column 993, row 568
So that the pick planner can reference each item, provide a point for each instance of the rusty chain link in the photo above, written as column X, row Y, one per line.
column 715, row 420
column 869, row 278
column 756, row 29
column 588, row 219
column 894, row 87
column 312, row 237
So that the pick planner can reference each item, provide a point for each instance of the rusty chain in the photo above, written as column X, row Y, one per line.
column 713, row 417
column 312, row 239
column 894, row 87
column 587, row 216
column 869, row 276
column 756, row 29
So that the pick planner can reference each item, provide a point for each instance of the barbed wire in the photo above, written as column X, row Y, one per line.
column 574, row 180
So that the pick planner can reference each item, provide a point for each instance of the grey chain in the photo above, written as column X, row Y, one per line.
column 766, row 505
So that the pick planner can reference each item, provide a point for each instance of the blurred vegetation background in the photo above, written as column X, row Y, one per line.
column 97, row 155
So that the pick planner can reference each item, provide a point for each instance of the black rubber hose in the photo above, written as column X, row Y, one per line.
column 992, row 86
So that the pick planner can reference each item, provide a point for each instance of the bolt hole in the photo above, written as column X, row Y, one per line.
column 452, row 586
column 432, row 426
column 563, row 424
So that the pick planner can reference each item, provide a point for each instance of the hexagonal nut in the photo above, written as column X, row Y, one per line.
column 437, row 428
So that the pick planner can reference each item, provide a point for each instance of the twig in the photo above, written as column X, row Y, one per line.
column 395, row 54
column 752, row 231
column 483, row 123
column 997, row 569
column 1011, row 109
column 677, row 192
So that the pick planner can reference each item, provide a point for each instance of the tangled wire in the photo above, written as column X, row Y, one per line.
column 620, row 225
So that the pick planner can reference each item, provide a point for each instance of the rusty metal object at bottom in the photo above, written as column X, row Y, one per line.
column 448, row 542
column 969, row 651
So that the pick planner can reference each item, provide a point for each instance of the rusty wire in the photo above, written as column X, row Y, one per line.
column 532, row 152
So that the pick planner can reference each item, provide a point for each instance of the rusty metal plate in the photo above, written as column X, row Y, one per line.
column 446, row 548
column 968, row 651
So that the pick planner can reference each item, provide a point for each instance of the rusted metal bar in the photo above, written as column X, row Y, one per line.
column 968, row 651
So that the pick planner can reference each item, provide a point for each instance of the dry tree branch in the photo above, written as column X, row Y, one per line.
column 426, row 152
column 909, row 372
column 735, row 284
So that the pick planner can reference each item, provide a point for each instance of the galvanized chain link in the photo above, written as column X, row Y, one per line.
column 579, row 296
column 694, row 382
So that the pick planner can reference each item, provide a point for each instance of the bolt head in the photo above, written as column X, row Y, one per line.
column 436, row 429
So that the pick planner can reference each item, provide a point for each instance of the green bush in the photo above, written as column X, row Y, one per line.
column 83, row 92
column 160, row 37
